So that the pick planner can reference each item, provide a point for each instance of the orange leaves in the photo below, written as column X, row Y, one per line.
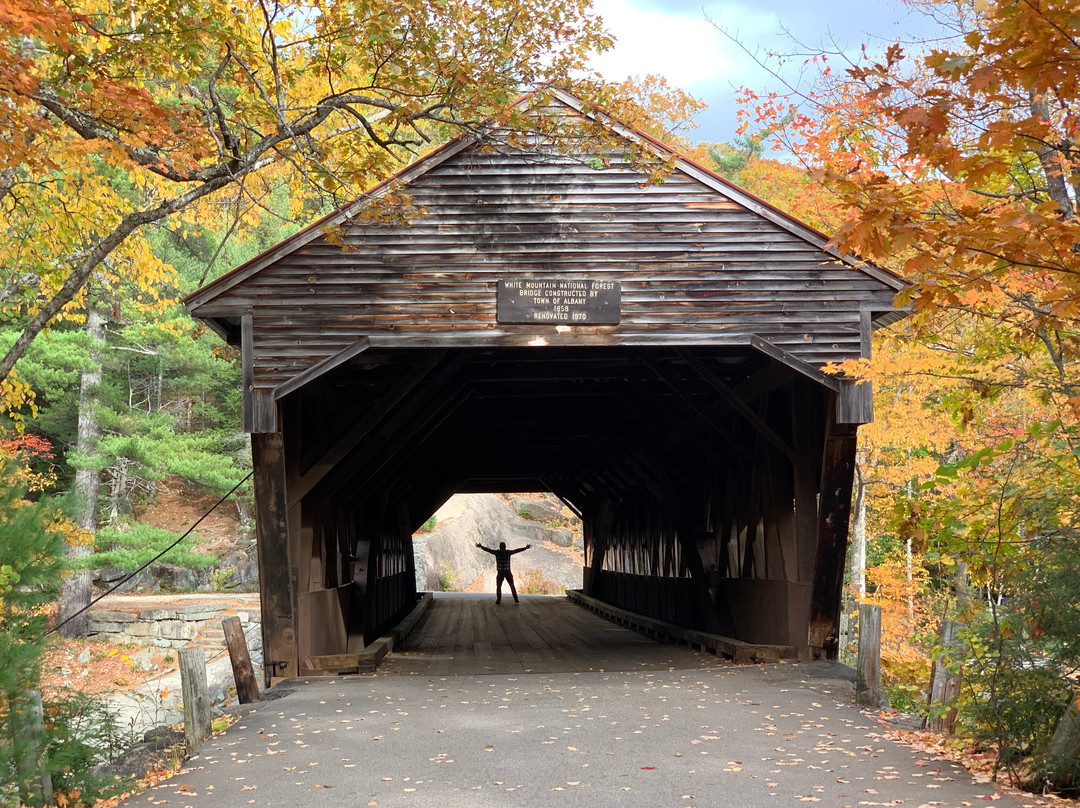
column 52, row 23
column 950, row 161
column 925, row 120
column 661, row 110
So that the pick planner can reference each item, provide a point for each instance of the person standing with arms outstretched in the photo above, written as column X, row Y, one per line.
column 502, row 568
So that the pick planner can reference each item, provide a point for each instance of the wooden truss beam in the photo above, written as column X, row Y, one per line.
column 333, row 450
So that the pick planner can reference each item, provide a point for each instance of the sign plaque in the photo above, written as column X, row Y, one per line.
column 559, row 302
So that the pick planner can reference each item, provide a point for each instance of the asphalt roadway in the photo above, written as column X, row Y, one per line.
column 685, row 735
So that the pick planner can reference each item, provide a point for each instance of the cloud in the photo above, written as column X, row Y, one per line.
column 681, row 45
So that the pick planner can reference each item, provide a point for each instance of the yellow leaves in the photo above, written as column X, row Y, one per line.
column 74, row 535
column 17, row 400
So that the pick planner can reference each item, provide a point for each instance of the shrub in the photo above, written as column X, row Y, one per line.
column 447, row 581
column 533, row 582
column 128, row 547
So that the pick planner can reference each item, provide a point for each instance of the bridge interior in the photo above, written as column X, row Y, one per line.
column 704, row 477
column 465, row 634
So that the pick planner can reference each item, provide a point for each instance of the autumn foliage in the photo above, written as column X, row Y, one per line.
column 120, row 116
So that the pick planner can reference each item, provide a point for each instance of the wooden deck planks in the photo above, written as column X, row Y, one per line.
column 462, row 635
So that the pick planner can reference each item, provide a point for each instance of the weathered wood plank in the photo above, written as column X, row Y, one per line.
column 855, row 404
column 196, row 695
column 247, row 689
column 595, row 232
column 325, row 366
column 276, row 591
column 868, row 671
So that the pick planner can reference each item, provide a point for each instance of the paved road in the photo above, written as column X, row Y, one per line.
column 684, row 736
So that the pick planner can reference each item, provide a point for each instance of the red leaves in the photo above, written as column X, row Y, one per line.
column 33, row 446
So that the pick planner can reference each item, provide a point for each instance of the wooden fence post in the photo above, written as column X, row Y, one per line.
column 31, row 761
column 868, row 672
column 247, row 688
column 196, row 695
column 944, row 684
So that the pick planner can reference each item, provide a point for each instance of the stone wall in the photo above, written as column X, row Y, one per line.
column 166, row 628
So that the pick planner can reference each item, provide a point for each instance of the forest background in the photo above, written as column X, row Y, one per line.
column 146, row 154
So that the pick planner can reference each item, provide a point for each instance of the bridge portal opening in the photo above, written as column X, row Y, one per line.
column 703, row 478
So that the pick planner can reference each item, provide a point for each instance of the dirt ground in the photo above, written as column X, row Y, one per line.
column 100, row 667
column 95, row 666
column 177, row 508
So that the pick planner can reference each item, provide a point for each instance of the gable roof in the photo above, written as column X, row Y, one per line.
column 463, row 142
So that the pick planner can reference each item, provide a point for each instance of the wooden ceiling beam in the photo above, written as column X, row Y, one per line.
column 740, row 406
column 406, row 431
column 331, row 452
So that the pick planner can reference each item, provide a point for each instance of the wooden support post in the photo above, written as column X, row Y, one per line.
column 834, row 510
column 808, row 421
column 944, row 685
column 196, row 695
column 31, row 759
column 868, row 673
column 699, row 580
column 247, row 688
column 247, row 364
column 276, row 586
column 600, row 523
column 371, row 590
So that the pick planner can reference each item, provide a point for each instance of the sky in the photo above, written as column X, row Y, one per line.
column 680, row 40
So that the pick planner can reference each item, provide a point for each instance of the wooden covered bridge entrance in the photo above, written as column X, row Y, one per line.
column 543, row 321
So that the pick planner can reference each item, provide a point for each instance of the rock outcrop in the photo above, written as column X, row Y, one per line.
column 447, row 557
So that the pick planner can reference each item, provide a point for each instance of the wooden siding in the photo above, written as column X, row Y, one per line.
column 688, row 259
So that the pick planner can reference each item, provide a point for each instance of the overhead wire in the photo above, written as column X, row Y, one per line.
column 131, row 575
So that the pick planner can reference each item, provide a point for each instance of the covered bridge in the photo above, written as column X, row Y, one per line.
column 548, row 321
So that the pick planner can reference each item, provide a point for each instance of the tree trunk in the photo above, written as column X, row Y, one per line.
column 856, row 589
column 910, row 574
column 858, row 536
column 76, row 591
column 1063, row 756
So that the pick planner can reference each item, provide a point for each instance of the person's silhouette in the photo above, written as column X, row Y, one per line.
column 502, row 568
